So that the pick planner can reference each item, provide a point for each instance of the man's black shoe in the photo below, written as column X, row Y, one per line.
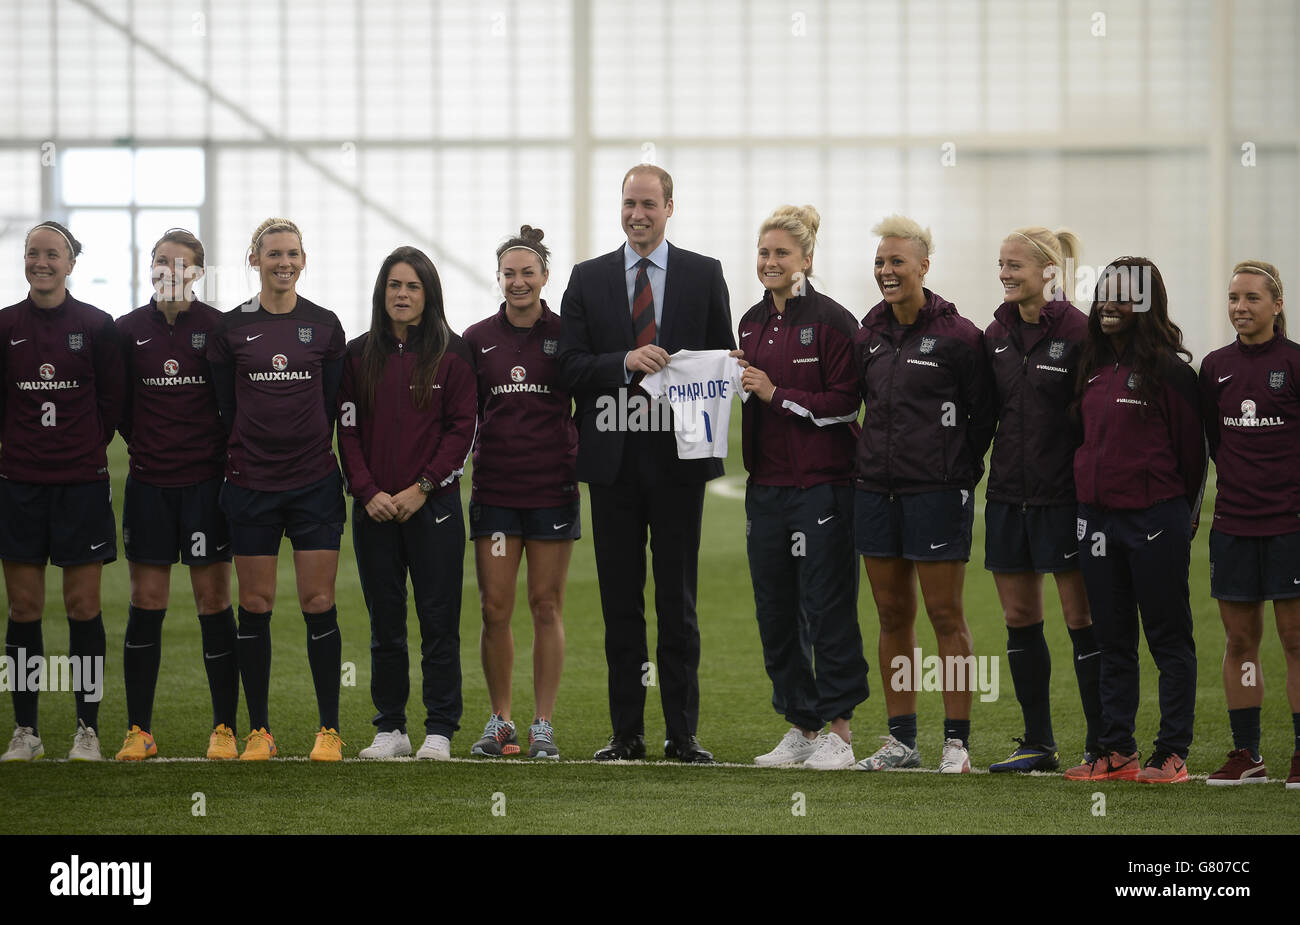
column 688, row 751
column 620, row 748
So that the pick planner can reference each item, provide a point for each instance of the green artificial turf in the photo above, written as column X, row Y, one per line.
column 576, row 795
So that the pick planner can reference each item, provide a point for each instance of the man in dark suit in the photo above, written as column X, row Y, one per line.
column 623, row 315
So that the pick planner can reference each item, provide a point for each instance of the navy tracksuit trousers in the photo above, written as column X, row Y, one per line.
column 431, row 545
column 1136, row 562
column 805, row 575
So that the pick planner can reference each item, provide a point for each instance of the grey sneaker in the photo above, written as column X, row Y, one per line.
column 498, row 739
column 85, row 745
column 890, row 756
column 24, row 746
column 541, row 740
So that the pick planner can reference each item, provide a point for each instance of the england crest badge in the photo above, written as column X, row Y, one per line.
column 550, row 346
column 1056, row 349
column 806, row 335
column 198, row 339
column 305, row 334
column 76, row 342
column 1277, row 379
column 928, row 343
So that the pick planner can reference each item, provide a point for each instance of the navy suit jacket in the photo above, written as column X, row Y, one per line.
column 597, row 335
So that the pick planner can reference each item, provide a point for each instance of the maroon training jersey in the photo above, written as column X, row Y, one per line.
column 282, row 433
column 170, row 423
column 526, row 453
column 63, row 392
column 1252, row 420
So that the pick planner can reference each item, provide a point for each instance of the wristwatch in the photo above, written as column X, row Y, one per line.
column 424, row 484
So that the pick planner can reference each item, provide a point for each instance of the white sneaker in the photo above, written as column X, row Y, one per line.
column 792, row 749
column 392, row 744
column 893, row 754
column 85, row 745
column 24, row 746
column 832, row 754
column 437, row 748
column 956, row 759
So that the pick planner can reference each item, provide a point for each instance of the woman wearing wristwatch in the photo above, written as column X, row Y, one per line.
column 407, row 412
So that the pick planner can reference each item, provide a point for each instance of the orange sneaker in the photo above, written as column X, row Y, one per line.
column 259, row 745
column 1110, row 766
column 138, row 746
column 1163, row 768
column 221, row 744
column 329, row 747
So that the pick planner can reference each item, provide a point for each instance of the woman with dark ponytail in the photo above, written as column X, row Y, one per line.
column 406, row 422
column 1139, row 476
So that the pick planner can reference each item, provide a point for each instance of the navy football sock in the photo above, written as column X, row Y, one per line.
column 141, row 656
column 254, row 648
column 903, row 728
column 325, row 655
column 1087, row 669
column 1031, row 673
column 221, row 661
column 1245, row 729
column 22, row 642
column 87, row 643
column 957, row 729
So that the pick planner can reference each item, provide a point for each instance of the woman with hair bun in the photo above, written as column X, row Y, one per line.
column 929, row 418
column 525, row 499
column 276, row 364
column 1033, row 347
column 1139, row 475
column 63, row 390
column 798, row 440
column 1252, row 420
column 406, row 421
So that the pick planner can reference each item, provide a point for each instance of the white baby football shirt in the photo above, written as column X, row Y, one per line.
column 698, row 385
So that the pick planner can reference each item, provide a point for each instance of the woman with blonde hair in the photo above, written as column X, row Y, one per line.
column 277, row 361
column 929, row 418
column 798, row 439
column 1033, row 347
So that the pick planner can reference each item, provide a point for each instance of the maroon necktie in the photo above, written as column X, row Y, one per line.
column 643, row 305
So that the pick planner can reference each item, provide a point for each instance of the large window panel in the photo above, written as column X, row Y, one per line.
column 26, row 71
column 167, row 104
column 473, row 50
column 1024, row 64
column 786, row 62
column 864, row 54
column 540, row 70
column 93, row 89
column 321, row 77
column 398, row 69
column 1178, row 64
column 248, row 42
column 630, row 59
column 1106, row 71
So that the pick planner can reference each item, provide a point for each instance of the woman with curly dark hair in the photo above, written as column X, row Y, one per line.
column 1139, row 476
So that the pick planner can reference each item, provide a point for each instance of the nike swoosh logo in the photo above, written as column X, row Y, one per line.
column 222, row 546
column 439, row 520
column 490, row 349
column 252, row 337
column 1225, row 378
column 874, row 349
column 147, row 645
column 221, row 654
column 1094, row 379
column 939, row 546
column 314, row 637
column 746, row 334
column 1071, row 555
column 237, row 636
column 1079, row 658
column 1152, row 536
column 141, row 343
column 15, row 343
column 1013, row 651
column 94, row 546
column 560, row 526
column 1000, row 349
column 822, row 520
column 1295, row 581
